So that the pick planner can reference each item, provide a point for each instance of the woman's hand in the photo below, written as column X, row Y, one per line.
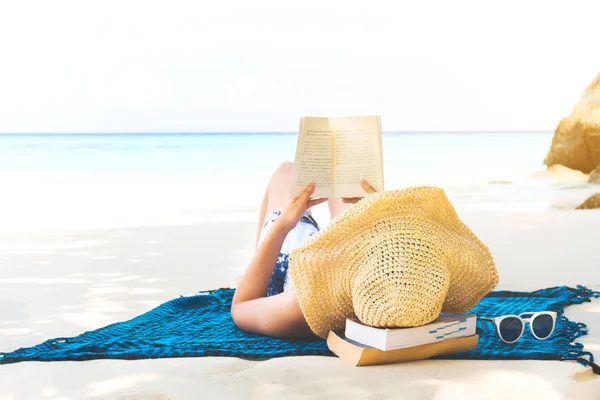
column 366, row 187
column 294, row 208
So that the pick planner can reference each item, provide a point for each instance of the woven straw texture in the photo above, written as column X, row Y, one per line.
column 394, row 259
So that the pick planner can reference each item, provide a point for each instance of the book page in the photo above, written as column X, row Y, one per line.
column 358, row 155
column 314, row 157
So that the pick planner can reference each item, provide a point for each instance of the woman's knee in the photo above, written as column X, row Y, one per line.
column 279, row 186
column 283, row 172
column 285, row 167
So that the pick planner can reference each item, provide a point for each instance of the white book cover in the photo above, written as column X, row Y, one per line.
column 447, row 326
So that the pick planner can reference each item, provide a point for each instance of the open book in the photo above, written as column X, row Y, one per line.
column 336, row 153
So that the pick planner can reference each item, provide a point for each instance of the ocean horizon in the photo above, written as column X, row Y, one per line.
column 275, row 132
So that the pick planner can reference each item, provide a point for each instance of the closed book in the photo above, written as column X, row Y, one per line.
column 360, row 355
column 446, row 326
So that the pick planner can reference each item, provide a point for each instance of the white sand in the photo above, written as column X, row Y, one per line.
column 61, row 283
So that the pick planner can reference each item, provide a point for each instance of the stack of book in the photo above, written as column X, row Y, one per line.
column 365, row 345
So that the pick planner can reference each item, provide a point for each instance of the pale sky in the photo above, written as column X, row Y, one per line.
column 212, row 66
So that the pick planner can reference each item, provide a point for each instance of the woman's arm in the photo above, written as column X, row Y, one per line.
column 278, row 315
column 253, row 284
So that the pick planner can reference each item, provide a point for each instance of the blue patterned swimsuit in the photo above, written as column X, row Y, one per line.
column 306, row 227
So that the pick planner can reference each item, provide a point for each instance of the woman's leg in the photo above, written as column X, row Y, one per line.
column 261, row 216
column 278, row 191
column 336, row 207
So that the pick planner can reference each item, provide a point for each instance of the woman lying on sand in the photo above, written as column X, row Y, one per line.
column 395, row 259
column 265, row 301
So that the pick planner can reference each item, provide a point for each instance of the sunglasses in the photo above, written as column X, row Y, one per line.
column 511, row 327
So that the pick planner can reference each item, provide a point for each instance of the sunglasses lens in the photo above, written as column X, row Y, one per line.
column 510, row 329
column 542, row 326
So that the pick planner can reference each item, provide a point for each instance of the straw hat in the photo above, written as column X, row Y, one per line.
column 394, row 259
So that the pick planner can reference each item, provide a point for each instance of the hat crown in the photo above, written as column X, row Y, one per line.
column 384, row 290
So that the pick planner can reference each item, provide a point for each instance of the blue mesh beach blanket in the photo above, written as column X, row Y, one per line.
column 201, row 325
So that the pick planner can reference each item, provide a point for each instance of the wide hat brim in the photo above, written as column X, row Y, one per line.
column 394, row 259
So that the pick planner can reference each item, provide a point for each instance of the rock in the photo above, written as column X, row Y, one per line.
column 576, row 141
column 595, row 176
column 560, row 173
column 592, row 202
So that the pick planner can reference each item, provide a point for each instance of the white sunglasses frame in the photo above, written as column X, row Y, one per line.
column 498, row 320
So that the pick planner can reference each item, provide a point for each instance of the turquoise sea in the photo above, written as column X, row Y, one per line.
column 82, row 180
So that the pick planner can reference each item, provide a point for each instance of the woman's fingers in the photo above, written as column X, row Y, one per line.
column 314, row 202
column 366, row 187
column 308, row 190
